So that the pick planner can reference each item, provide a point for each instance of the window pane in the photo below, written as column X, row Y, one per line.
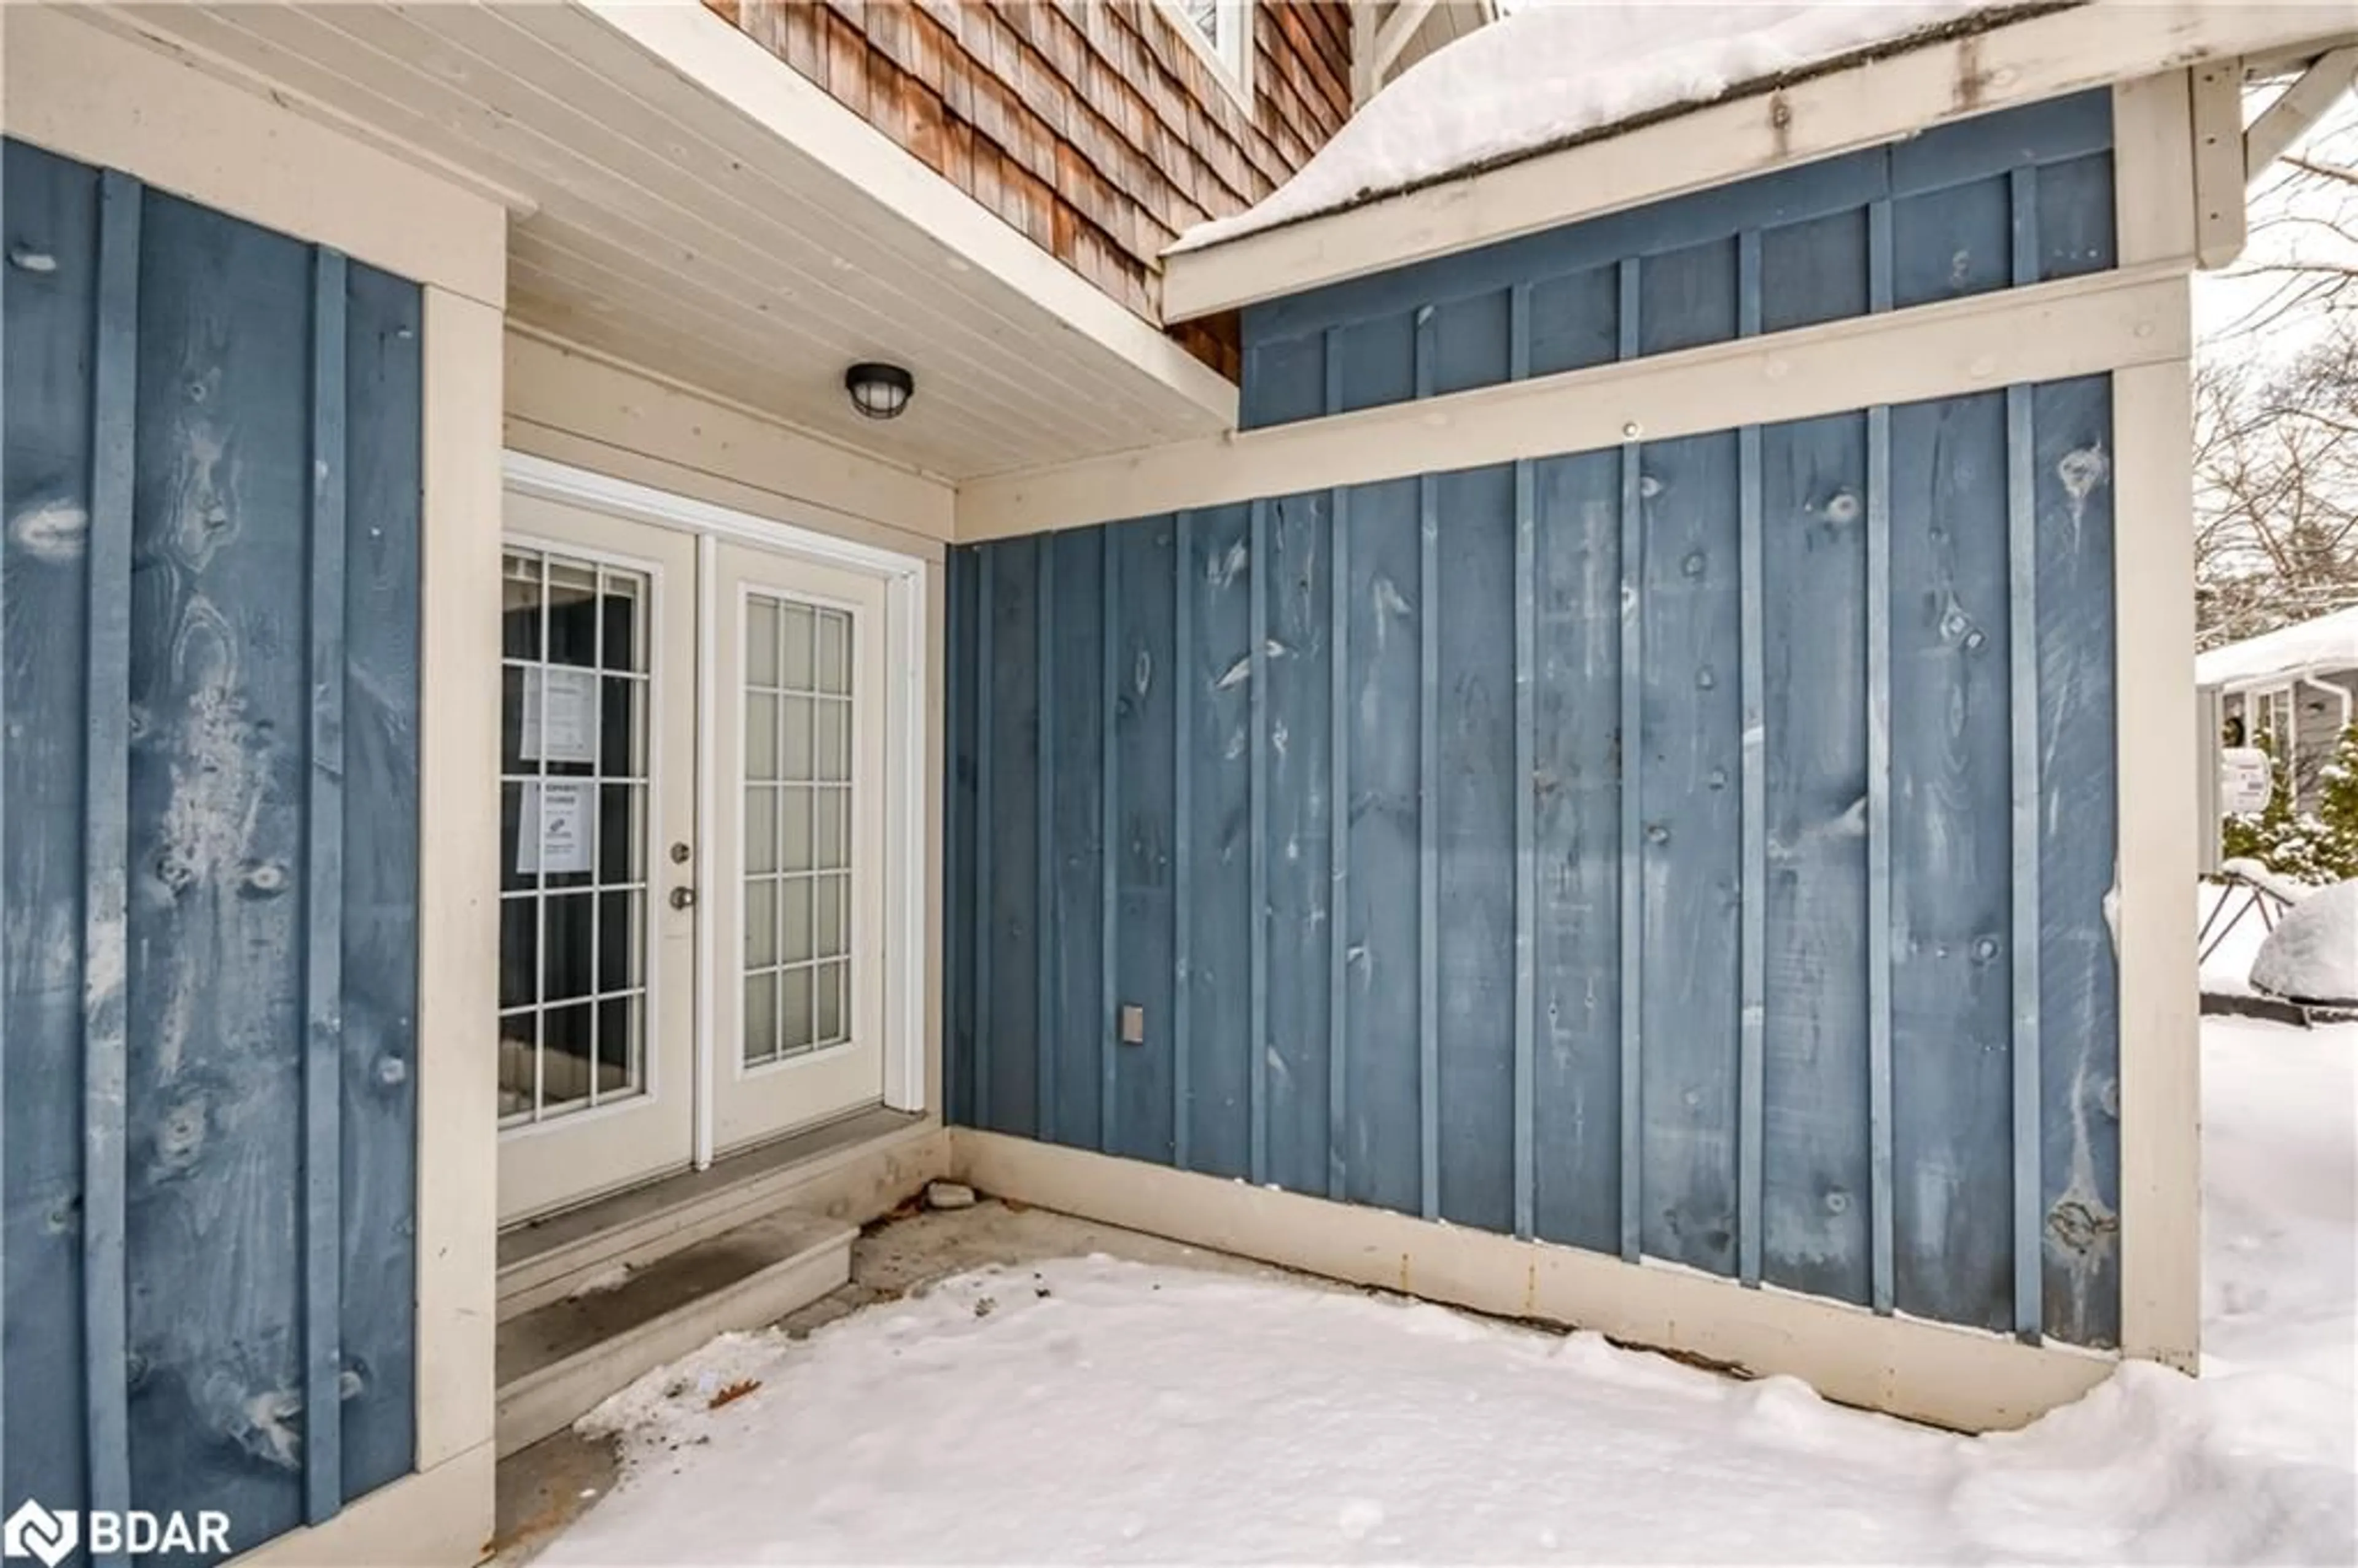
column 834, row 808
column 519, row 951
column 760, row 642
column 795, row 737
column 796, row 668
column 830, row 1002
column 761, row 735
column 794, row 1008
column 572, row 612
column 760, row 925
column 520, row 605
column 835, row 652
column 568, row 1048
column 834, row 740
column 795, row 829
column 794, row 920
column 625, row 598
column 760, row 1017
column 760, row 828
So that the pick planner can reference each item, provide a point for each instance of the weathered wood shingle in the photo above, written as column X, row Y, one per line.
column 1096, row 130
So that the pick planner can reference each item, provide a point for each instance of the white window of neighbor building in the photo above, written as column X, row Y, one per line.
column 1223, row 30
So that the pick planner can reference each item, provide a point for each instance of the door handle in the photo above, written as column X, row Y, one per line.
column 683, row 898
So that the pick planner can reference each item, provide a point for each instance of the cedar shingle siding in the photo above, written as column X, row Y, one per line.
column 1093, row 126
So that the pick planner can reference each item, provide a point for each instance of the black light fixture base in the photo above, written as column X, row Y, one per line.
column 879, row 391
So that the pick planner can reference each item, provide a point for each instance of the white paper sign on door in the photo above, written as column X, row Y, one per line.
column 553, row 836
column 560, row 713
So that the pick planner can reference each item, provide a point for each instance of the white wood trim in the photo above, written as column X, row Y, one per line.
column 1952, row 1377
column 708, row 820
column 430, row 1518
column 2089, row 46
column 2153, row 165
column 84, row 92
column 562, row 399
column 740, row 71
column 2297, row 109
column 2076, row 327
column 1392, row 38
column 909, row 885
column 2160, row 1057
column 2217, row 104
column 459, row 860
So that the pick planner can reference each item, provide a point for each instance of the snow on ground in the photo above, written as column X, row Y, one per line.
column 1107, row 1411
column 1557, row 71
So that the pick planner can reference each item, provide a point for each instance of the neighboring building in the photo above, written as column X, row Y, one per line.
column 2296, row 687
column 517, row 783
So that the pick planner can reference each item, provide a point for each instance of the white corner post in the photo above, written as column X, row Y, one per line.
column 2161, row 188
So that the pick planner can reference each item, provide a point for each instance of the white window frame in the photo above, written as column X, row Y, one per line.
column 1230, row 53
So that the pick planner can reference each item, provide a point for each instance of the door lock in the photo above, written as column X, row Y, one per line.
column 679, row 853
column 682, row 898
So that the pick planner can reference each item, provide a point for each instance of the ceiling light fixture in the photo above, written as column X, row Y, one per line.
column 879, row 391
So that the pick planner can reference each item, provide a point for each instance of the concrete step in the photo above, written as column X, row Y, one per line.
column 558, row 1360
column 547, row 1259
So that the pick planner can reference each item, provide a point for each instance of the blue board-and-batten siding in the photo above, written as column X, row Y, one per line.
column 209, row 599
column 1944, row 202
column 1662, row 805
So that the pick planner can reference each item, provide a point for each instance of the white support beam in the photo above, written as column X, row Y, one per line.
column 2218, row 105
column 1391, row 40
column 2300, row 107
column 2095, row 44
column 2077, row 326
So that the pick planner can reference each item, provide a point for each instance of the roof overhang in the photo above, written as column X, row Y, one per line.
column 1874, row 97
column 683, row 202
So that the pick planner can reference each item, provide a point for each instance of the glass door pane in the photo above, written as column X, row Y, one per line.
column 574, row 835
column 795, row 891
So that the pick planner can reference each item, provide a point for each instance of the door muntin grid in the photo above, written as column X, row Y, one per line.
column 800, row 713
column 575, row 818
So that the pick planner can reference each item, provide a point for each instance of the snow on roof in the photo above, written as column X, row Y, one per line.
column 2328, row 641
column 1555, row 72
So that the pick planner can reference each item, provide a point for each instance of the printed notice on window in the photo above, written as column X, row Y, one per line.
column 560, row 716
column 553, row 837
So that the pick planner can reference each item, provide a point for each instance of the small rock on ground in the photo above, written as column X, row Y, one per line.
column 948, row 1194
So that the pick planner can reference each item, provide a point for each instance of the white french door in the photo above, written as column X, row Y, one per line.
column 643, row 1017
column 799, row 939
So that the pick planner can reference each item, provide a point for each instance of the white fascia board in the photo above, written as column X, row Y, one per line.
column 2103, row 42
column 715, row 57
column 2077, row 326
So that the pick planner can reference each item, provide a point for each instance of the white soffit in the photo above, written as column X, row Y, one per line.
column 684, row 201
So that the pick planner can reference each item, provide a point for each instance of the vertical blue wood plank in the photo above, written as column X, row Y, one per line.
column 217, row 804
column 1688, row 297
column 1753, row 977
column 1814, row 271
column 1428, row 830
column 1878, row 256
column 1051, row 923
column 1951, row 979
column 1386, row 1091
column 1576, row 786
column 1474, row 795
column 1814, row 1198
column 1632, row 900
column 2079, row 819
column 1881, row 1209
column 1256, row 1061
column 1220, row 576
column 1690, row 756
column 1338, row 806
column 1749, row 267
column 1109, row 857
column 1575, row 320
column 960, row 918
column 981, row 962
column 1015, row 576
column 106, row 912
column 1947, row 244
column 323, row 875
column 1148, row 766
column 384, row 414
column 47, row 468
column 2022, row 646
column 2075, row 227
column 1185, row 679
column 1076, row 1013
column 1297, row 595
column 1526, row 854
column 1632, row 896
